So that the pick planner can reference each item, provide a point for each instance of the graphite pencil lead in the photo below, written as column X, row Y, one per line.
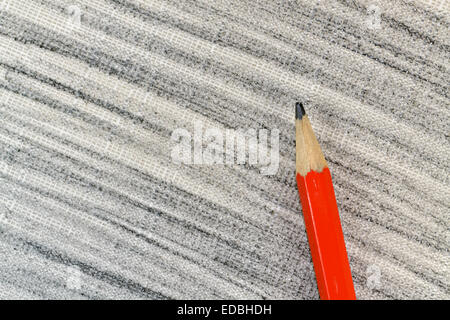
column 299, row 111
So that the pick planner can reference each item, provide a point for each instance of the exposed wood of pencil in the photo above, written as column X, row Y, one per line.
column 321, row 215
column 309, row 155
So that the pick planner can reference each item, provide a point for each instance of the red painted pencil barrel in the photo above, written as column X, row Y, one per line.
column 325, row 236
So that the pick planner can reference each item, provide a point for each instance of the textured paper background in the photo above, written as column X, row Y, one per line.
column 92, row 205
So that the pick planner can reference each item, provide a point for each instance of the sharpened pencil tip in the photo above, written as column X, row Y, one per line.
column 299, row 111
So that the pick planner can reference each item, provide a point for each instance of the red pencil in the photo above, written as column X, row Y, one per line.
column 321, row 215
